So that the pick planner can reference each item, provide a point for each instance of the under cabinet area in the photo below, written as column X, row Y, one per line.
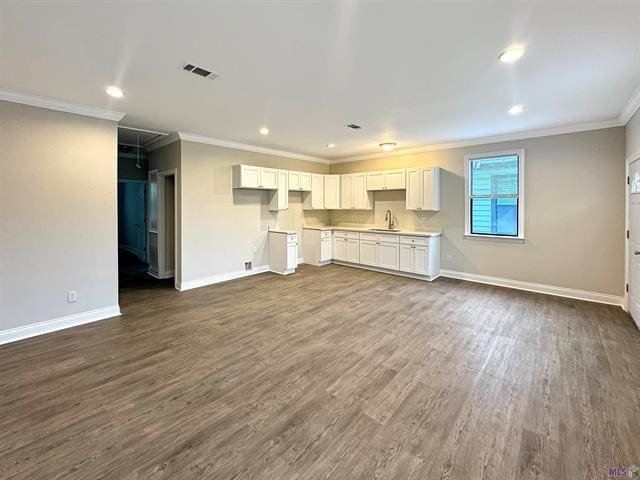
column 412, row 254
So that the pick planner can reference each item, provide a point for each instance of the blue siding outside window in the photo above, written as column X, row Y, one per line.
column 494, row 195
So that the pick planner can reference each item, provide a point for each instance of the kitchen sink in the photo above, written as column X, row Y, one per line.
column 384, row 229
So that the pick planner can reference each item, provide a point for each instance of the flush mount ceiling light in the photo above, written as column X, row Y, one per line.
column 512, row 54
column 516, row 109
column 331, row 145
column 264, row 131
column 114, row 91
column 388, row 146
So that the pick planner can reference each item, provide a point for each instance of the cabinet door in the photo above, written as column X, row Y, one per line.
column 325, row 249
column 332, row 192
column 353, row 250
column 283, row 190
column 375, row 180
column 249, row 176
column 346, row 191
column 368, row 252
column 413, row 189
column 361, row 197
column 340, row 248
column 421, row 260
column 388, row 254
column 317, row 191
column 394, row 180
column 406, row 258
column 305, row 182
column 269, row 178
column 292, row 255
column 294, row 180
column 427, row 187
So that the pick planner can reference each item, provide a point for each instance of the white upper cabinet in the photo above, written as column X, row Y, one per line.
column 314, row 200
column 386, row 180
column 247, row 176
column 354, row 194
column 280, row 198
column 423, row 188
column 332, row 192
column 300, row 181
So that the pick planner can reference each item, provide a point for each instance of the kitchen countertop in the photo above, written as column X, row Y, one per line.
column 368, row 230
column 286, row 232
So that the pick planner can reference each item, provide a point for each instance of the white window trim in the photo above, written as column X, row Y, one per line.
column 467, row 202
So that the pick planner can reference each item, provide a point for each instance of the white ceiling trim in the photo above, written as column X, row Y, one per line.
column 546, row 132
column 630, row 107
column 60, row 105
column 192, row 137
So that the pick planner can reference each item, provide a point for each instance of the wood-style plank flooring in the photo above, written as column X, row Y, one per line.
column 333, row 372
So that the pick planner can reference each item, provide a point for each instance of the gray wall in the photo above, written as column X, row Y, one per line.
column 574, row 211
column 58, row 214
column 633, row 137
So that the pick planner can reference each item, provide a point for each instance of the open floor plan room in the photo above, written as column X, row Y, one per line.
column 320, row 240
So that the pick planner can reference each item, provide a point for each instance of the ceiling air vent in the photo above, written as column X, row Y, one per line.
column 353, row 126
column 200, row 71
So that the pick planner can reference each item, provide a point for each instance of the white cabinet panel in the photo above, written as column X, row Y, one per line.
column 353, row 250
column 394, row 180
column 423, row 188
column 340, row 248
column 375, row 180
column 421, row 260
column 354, row 194
column 369, row 252
column 325, row 249
column 292, row 255
column 280, row 197
column 305, row 182
column 388, row 255
column 406, row 258
column 346, row 192
column 269, row 178
column 294, row 180
column 314, row 200
column 332, row 192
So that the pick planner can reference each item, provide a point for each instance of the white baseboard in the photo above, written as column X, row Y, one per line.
column 48, row 326
column 222, row 277
column 537, row 287
column 300, row 260
column 425, row 278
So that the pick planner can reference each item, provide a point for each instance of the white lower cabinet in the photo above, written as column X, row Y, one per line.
column 388, row 254
column 353, row 250
column 340, row 249
column 369, row 252
column 283, row 251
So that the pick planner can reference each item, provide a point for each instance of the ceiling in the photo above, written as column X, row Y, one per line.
column 416, row 73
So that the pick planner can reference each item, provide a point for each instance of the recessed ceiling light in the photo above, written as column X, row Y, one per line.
column 516, row 109
column 114, row 91
column 388, row 146
column 512, row 54
column 264, row 131
column 331, row 145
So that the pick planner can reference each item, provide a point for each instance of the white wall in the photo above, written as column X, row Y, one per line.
column 221, row 226
column 574, row 211
column 58, row 215
column 633, row 137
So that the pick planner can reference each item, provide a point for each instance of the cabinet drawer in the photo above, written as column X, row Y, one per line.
column 344, row 234
column 325, row 234
column 385, row 237
column 423, row 241
column 369, row 236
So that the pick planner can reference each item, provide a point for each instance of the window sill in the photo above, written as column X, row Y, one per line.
column 493, row 238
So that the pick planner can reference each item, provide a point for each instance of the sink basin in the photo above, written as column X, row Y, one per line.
column 384, row 229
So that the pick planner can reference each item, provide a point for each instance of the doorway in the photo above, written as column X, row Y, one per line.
column 162, row 223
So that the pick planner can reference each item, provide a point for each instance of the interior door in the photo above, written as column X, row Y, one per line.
column 634, row 241
column 152, row 236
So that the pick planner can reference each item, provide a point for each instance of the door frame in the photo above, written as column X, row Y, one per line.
column 162, row 175
column 627, row 191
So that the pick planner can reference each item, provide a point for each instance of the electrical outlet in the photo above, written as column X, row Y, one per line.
column 72, row 296
column 255, row 249
column 448, row 257
column 248, row 265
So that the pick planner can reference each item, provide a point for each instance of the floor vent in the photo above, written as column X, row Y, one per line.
column 200, row 71
column 247, row 265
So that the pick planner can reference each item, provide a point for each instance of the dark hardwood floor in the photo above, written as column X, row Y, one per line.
column 333, row 372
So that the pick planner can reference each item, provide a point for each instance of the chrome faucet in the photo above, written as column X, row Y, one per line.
column 389, row 218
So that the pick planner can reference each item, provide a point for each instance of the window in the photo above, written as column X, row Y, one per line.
column 494, row 195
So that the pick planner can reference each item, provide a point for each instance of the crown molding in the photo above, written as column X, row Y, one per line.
column 60, row 105
column 546, row 132
column 192, row 137
column 166, row 140
column 630, row 107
